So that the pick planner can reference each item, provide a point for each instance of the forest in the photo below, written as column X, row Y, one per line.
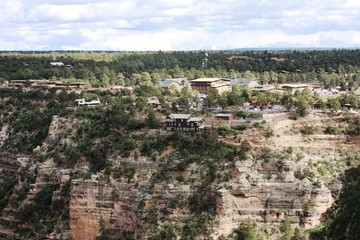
column 328, row 67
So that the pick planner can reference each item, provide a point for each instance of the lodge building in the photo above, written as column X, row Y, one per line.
column 205, row 85
column 185, row 123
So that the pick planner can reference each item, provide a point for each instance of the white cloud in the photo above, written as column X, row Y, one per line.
column 352, row 4
column 60, row 32
column 172, row 3
column 177, row 25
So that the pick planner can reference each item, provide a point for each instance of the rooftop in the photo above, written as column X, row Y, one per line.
column 179, row 116
column 167, row 82
column 57, row 63
column 224, row 115
column 242, row 81
column 195, row 119
column 294, row 85
column 262, row 88
column 209, row 79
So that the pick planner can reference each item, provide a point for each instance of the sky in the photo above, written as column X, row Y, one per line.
column 152, row 25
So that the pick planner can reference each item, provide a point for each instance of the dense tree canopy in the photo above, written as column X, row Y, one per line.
column 331, row 67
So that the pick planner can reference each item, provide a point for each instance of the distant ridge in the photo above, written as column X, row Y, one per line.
column 292, row 48
column 271, row 49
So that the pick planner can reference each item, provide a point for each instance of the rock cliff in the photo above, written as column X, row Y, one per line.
column 115, row 203
column 176, row 189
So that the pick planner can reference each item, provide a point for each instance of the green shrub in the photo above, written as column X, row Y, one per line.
column 41, row 206
column 201, row 201
column 265, row 154
column 247, row 231
column 241, row 127
column 6, row 188
column 307, row 130
column 124, row 171
column 255, row 115
column 97, row 160
column 196, row 227
column 225, row 131
column 269, row 132
column 299, row 175
column 289, row 150
column 72, row 155
column 299, row 156
column 354, row 127
column 168, row 232
column 331, row 130
column 245, row 146
column 241, row 114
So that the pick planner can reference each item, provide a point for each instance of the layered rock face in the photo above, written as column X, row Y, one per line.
column 94, row 201
column 8, row 164
column 263, row 189
column 269, row 201
column 266, row 199
column 270, row 204
column 9, row 167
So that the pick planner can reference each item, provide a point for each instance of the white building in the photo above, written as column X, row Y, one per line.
column 82, row 102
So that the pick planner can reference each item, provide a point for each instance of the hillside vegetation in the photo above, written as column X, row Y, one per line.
column 115, row 171
column 331, row 68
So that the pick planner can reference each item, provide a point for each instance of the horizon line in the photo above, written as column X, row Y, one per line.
column 192, row 50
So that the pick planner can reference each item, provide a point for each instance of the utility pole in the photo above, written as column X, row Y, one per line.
column 204, row 62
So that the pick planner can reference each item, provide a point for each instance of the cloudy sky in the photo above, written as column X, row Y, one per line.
column 177, row 24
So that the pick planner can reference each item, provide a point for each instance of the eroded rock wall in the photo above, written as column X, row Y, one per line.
column 92, row 201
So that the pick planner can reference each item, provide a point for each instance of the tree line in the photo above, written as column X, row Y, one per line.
column 330, row 67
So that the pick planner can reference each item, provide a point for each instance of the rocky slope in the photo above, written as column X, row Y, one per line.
column 267, row 192
column 189, row 186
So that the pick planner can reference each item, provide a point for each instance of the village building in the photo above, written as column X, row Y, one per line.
column 293, row 87
column 244, row 82
column 279, row 59
column 82, row 102
column 174, row 84
column 170, row 85
column 44, row 83
column 205, row 85
column 263, row 88
column 225, row 116
column 348, row 106
column 57, row 64
column 185, row 123
column 154, row 102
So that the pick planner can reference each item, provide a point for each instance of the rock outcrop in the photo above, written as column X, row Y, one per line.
column 92, row 201
column 253, row 196
column 132, row 196
column 271, row 204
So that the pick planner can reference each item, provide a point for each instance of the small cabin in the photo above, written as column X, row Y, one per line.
column 154, row 102
column 225, row 116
